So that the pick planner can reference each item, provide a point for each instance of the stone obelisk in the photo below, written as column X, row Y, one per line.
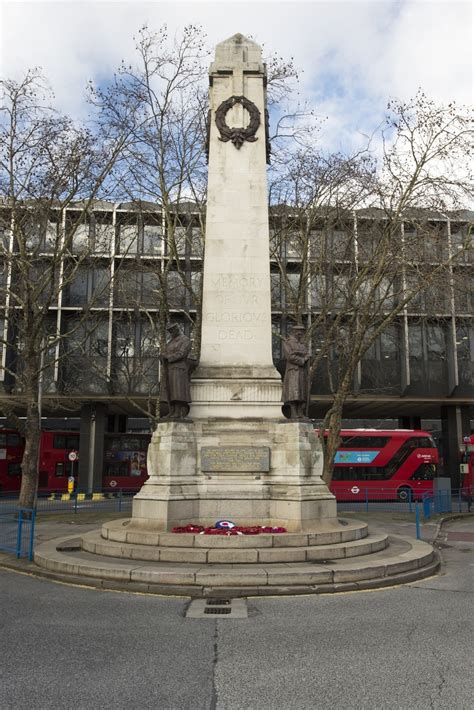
column 236, row 376
column 236, row 456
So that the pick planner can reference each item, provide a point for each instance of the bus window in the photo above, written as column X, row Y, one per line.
column 59, row 468
column 13, row 440
column 63, row 441
column 14, row 469
column 364, row 442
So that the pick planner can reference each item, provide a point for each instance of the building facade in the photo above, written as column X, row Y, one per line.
column 122, row 270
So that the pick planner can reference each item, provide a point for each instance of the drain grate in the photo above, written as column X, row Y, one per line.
column 208, row 608
column 218, row 610
column 218, row 602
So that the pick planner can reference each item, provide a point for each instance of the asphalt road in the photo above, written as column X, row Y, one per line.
column 401, row 648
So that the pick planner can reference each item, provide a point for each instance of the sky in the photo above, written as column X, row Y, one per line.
column 353, row 54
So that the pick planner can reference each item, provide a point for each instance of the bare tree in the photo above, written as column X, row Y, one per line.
column 47, row 163
column 350, row 232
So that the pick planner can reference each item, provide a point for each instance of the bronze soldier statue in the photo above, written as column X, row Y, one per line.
column 295, row 381
column 176, row 373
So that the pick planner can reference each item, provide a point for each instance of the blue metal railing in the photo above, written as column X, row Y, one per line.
column 17, row 530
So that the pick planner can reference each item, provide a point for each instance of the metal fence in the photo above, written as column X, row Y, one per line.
column 17, row 530
column 433, row 503
column 54, row 502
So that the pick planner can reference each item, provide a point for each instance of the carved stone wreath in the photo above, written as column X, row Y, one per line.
column 237, row 135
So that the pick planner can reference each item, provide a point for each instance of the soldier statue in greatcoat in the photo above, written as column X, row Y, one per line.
column 176, row 373
column 296, row 378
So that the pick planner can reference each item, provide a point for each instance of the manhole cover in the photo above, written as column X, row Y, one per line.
column 209, row 608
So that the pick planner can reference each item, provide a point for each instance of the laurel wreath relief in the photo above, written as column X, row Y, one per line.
column 237, row 135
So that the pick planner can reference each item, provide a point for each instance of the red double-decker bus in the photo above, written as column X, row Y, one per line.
column 12, row 446
column 375, row 464
column 125, row 461
column 124, row 464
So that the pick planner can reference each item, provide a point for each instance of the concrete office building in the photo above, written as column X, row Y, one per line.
column 106, row 367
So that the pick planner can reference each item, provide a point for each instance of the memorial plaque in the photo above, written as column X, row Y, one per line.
column 235, row 459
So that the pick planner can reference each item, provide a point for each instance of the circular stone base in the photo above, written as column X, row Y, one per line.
column 206, row 565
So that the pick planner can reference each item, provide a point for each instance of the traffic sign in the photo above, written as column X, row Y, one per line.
column 73, row 456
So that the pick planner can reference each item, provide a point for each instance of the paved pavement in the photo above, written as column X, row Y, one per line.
column 399, row 648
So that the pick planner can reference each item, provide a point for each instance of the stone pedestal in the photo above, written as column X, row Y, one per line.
column 252, row 471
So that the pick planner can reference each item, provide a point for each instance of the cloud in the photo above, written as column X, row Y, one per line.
column 354, row 55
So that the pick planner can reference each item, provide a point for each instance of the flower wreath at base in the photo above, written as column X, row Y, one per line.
column 235, row 530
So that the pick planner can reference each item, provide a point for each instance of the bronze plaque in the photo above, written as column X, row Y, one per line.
column 231, row 459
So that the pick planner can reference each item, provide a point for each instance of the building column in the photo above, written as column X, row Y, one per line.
column 455, row 425
column 91, row 447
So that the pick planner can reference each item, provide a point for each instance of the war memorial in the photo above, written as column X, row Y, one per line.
column 236, row 444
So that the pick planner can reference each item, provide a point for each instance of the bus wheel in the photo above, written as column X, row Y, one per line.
column 404, row 494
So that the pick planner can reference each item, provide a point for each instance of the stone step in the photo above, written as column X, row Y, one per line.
column 94, row 543
column 403, row 560
column 328, row 532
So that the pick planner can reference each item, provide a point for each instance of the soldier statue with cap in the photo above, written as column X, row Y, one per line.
column 296, row 378
column 176, row 373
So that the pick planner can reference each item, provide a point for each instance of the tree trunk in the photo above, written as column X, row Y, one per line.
column 332, row 424
column 29, row 464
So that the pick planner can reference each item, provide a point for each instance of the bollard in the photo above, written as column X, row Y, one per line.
column 410, row 496
column 32, row 535
column 426, row 508
column 417, row 521
column 19, row 533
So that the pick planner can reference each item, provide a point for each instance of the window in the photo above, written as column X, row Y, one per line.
column 80, row 237
column 319, row 296
column 415, row 342
column 128, row 238
column 197, row 242
column 364, row 442
column 14, row 440
column 360, row 473
column 101, row 284
column 424, row 472
column 103, row 236
column 152, row 239
column 129, row 443
column 464, row 335
column 76, row 289
column 150, row 289
column 295, row 245
column 295, row 295
column 14, row 469
column 176, row 290
column 65, row 441
column 59, row 469
column 116, row 469
column 389, row 344
column 275, row 290
column 435, row 342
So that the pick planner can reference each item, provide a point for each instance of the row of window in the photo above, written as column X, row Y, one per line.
column 10, row 439
column 424, row 472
